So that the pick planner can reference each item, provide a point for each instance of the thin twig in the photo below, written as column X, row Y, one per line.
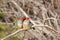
column 12, row 34
column 46, row 27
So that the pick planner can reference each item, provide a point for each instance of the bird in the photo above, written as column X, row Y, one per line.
column 20, row 23
column 26, row 24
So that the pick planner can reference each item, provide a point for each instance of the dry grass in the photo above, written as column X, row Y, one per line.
column 43, row 14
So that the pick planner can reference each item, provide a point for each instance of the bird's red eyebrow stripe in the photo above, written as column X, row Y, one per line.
column 24, row 18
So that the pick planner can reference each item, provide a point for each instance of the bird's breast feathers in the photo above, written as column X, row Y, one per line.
column 26, row 22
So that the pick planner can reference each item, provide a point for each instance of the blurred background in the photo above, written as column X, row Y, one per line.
column 45, row 12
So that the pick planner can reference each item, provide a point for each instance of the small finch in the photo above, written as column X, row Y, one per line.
column 20, row 22
column 26, row 24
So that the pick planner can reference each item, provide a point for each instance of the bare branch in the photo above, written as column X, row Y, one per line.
column 12, row 34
